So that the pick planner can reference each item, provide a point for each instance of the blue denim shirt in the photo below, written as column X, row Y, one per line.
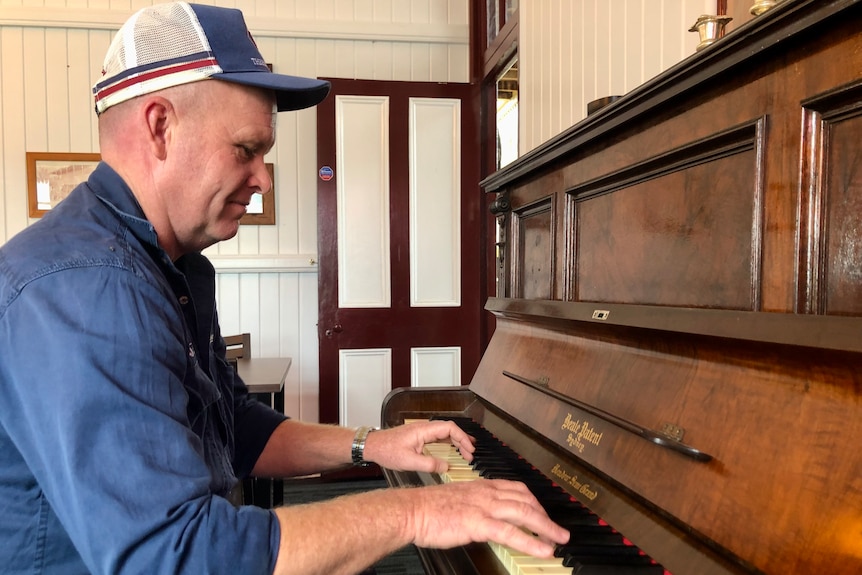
column 122, row 427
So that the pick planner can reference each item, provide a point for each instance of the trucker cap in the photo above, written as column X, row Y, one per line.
column 177, row 43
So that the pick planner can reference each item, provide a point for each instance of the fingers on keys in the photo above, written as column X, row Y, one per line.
column 501, row 511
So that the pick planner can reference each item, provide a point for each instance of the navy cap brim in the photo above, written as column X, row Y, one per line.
column 291, row 92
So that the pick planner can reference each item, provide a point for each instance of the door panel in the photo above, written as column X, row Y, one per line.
column 435, row 202
column 400, row 227
column 362, row 200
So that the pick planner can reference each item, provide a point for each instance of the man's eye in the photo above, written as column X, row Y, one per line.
column 247, row 152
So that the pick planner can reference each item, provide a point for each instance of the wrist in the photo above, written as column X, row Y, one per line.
column 357, row 449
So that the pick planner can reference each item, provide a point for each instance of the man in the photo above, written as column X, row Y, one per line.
column 122, row 427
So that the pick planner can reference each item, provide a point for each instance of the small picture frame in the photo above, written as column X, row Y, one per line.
column 261, row 210
column 51, row 176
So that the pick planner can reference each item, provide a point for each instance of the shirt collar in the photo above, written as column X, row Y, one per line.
column 116, row 194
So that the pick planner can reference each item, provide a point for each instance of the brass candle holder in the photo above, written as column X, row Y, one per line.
column 761, row 6
column 710, row 28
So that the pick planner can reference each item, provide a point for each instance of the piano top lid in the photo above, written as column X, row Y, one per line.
column 835, row 333
column 785, row 23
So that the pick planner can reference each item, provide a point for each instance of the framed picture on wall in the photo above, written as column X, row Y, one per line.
column 261, row 210
column 51, row 176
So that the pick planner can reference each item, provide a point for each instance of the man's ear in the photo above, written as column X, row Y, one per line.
column 158, row 115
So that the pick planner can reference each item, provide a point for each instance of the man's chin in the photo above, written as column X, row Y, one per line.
column 230, row 230
column 225, row 229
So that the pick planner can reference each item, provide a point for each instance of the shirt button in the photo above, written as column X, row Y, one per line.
column 184, row 299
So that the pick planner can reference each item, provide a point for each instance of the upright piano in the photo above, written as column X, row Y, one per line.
column 678, row 341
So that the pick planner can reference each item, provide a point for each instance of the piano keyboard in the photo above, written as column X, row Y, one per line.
column 595, row 548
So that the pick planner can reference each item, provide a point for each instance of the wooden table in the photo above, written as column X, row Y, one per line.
column 264, row 377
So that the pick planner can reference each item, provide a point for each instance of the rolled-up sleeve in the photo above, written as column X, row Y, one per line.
column 254, row 422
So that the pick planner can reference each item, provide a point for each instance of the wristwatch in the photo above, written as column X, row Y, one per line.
column 357, row 450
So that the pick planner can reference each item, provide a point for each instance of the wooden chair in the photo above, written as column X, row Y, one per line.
column 237, row 346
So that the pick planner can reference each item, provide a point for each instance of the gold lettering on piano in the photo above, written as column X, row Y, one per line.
column 572, row 480
column 580, row 433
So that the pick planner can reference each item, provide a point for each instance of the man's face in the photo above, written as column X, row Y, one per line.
column 216, row 161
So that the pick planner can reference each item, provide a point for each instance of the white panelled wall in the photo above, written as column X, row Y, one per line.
column 572, row 51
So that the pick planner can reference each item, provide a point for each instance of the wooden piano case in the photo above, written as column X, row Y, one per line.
column 678, row 335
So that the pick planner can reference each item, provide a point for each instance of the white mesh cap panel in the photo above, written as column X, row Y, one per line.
column 177, row 43
column 181, row 37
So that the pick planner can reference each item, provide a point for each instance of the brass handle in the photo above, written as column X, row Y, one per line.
column 333, row 330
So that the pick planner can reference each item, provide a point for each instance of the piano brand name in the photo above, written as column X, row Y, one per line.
column 572, row 480
column 580, row 433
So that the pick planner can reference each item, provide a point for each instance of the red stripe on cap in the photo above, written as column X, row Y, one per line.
column 105, row 92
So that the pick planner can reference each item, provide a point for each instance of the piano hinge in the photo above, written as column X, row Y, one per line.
column 672, row 431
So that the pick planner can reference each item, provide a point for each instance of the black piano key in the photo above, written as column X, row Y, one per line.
column 613, row 564
column 573, row 524
column 595, row 548
column 618, row 570
column 575, row 552
column 596, row 535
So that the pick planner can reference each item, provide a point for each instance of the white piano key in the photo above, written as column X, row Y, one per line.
column 515, row 562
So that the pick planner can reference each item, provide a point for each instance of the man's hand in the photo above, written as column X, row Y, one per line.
column 400, row 448
column 347, row 534
column 484, row 510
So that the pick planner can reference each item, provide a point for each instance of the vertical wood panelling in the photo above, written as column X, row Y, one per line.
column 575, row 51
column 227, row 292
column 283, row 337
column 652, row 58
column 382, row 58
column 268, row 332
column 279, row 310
column 57, row 86
column 11, row 149
column 303, row 144
column 420, row 66
column 35, row 101
column 294, row 219
column 98, row 42
column 400, row 11
column 306, row 343
column 250, row 306
column 80, row 81
column 590, row 62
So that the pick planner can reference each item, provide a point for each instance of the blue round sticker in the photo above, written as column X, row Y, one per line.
column 325, row 173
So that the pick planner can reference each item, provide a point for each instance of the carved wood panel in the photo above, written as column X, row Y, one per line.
column 642, row 232
column 533, row 269
column 831, row 218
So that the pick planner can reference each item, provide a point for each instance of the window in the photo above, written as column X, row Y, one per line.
column 507, row 115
